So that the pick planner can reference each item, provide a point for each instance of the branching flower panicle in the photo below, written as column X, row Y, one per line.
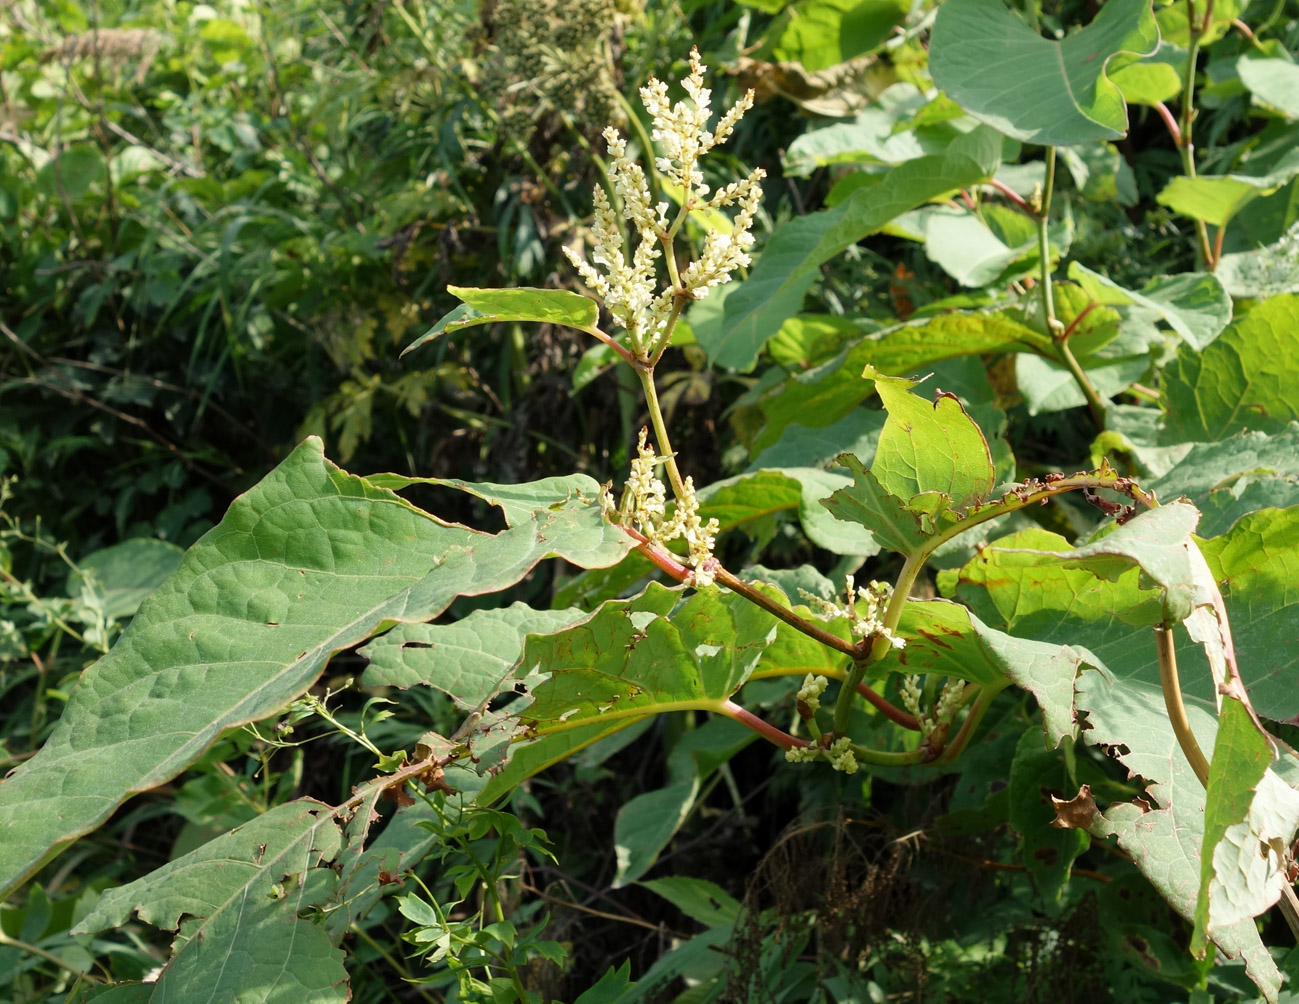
column 944, row 713
column 645, row 507
column 839, row 755
column 628, row 286
column 865, row 624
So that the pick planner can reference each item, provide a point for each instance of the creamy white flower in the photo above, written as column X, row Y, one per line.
column 842, row 757
column 812, row 689
column 629, row 288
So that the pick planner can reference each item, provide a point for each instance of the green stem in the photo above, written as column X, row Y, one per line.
column 646, row 375
column 1059, row 334
column 1187, row 145
column 906, row 758
column 880, row 644
column 613, row 343
column 1044, row 246
column 50, row 957
column 1094, row 402
column 1171, row 685
column 843, row 703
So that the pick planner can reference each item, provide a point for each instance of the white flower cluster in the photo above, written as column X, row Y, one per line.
column 811, row 691
column 949, row 702
column 628, row 288
column 645, row 505
column 867, row 624
column 839, row 755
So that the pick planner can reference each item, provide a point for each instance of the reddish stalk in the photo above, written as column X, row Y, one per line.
column 1012, row 195
column 764, row 728
column 1170, row 123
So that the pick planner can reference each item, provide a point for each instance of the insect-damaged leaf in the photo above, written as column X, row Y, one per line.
column 240, row 899
column 309, row 562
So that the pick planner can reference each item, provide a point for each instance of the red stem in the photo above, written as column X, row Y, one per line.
column 667, row 563
column 1012, row 195
column 1174, row 129
column 1064, row 337
column 890, row 711
column 765, row 729
column 614, row 344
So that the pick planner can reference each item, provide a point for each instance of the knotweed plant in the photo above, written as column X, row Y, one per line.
column 315, row 561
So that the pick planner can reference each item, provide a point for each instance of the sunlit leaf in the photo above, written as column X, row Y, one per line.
column 790, row 259
column 243, row 896
column 1031, row 88
column 311, row 561
column 1246, row 379
column 490, row 306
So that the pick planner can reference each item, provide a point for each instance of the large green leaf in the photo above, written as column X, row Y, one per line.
column 1256, row 565
column 646, row 823
column 1265, row 271
column 910, row 347
column 992, row 248
column 822, row 33
column 1010, row 589
column 1156, row 542
column 1193, row 304
column 1211, row 467
column 309, row 562
column 1272, row 82
column 1146, row 81
column 876, row 135
column 791, row 258
column 468, row 660
column 929, row 446
column 627, row 661
column 1235, row 477
column 1217, row 199
column 750, row 497
column 1246, row 379
column 491, row 306
column 1241, row 755
column 870, row 504
column 1164, row 832
column 801, row 445
column 238, row 905
column 947, row 639
column 1030, row 88
column 931, row 463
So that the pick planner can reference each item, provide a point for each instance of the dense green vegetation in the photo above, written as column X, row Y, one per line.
column 351, row 746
